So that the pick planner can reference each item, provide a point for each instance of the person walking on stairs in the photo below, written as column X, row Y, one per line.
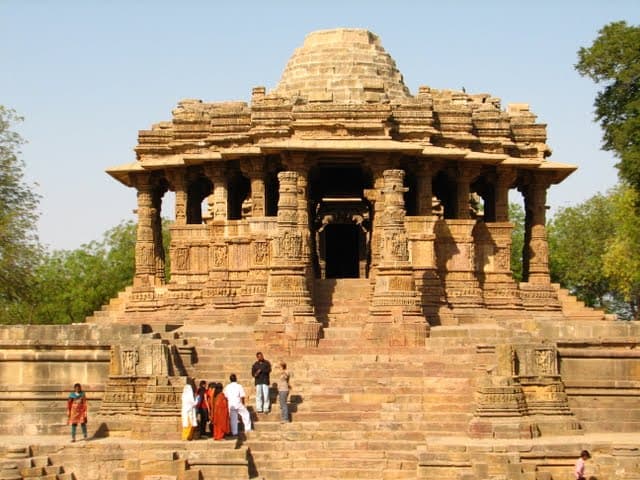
column 260, row 372
column 283, row 392
column 236, row 399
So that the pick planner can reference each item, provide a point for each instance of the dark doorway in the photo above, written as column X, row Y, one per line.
column 342, row 255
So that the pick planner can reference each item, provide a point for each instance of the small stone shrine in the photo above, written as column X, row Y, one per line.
column 361, row 233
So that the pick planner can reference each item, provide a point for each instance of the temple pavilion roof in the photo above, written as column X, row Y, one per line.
column 341, row 92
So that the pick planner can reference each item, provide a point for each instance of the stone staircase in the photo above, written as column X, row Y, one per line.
column 112, row 310
column 19, row 463
column 342, row 301
column 365, row 414
column 359, row 411
column 574, row 309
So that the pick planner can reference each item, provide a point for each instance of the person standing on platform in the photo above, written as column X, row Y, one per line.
column 236, row 399
column 188, row 412
column 202, row 408
column 220, row 415
column 77, row 410
column 260, row 372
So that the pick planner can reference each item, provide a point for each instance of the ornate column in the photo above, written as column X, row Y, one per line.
column 421, row 234
column 254, row 169
column 504, row 181
column 493, row 262
column 254, row 287
column 217, row 201
column 425, row 194
column 288, row 318
column 463, row 182
column 377, row 164
column 300, row 166
column 395, row 316
column 149, row 255
column 177, row 180
column 537, row 292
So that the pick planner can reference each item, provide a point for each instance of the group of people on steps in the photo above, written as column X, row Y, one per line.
column 222, row 408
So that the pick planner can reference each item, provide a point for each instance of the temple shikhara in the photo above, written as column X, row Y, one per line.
column 360, row 232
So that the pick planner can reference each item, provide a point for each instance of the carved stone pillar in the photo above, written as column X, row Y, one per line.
column 537, row 292
column 149, row 254
column 463, row 183
column 395, row 316
column 421, row 234
column 493, row 264
column 302, row 170
column 424, row 195
column 179, row 186
column 456, row 258
column 504, row 180
column 254, row 169
column 217, row 201
column 378, row 164
column 287, row 318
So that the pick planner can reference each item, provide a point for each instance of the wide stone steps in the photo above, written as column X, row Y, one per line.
column 18, row 463
column 354, row 456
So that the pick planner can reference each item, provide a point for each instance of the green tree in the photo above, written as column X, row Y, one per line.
column 614, row 60
column 621, row 261
column 72, row 284
column 516, row 216
column 578, row 239
column 19, row 246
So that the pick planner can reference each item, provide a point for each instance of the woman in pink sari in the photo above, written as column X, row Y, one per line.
column 77, row 409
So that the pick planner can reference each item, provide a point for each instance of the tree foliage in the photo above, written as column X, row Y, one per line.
column 516, row 216
column 71, row 284
column 19, row 247
column 594, row 251
column 578, row 239
column 622, row 259
column 614, row 60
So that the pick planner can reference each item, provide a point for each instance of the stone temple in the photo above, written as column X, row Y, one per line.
column 359, row 232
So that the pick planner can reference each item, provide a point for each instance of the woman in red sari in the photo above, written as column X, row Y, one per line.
column 220, row 418
column 77, row 409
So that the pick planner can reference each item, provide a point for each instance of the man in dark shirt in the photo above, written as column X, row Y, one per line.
column 260, row 372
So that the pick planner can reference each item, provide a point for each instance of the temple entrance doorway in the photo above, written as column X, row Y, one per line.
column 341, row 218
column 342, row 251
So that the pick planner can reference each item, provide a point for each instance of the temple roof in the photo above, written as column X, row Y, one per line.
column 341, row 92
column 344, row 65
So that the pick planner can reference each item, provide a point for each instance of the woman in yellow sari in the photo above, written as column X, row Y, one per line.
column 189, row 419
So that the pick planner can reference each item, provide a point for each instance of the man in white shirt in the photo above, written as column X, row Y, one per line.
column 236, row 399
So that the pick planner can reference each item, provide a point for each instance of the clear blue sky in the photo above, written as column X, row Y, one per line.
column 87, row 75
